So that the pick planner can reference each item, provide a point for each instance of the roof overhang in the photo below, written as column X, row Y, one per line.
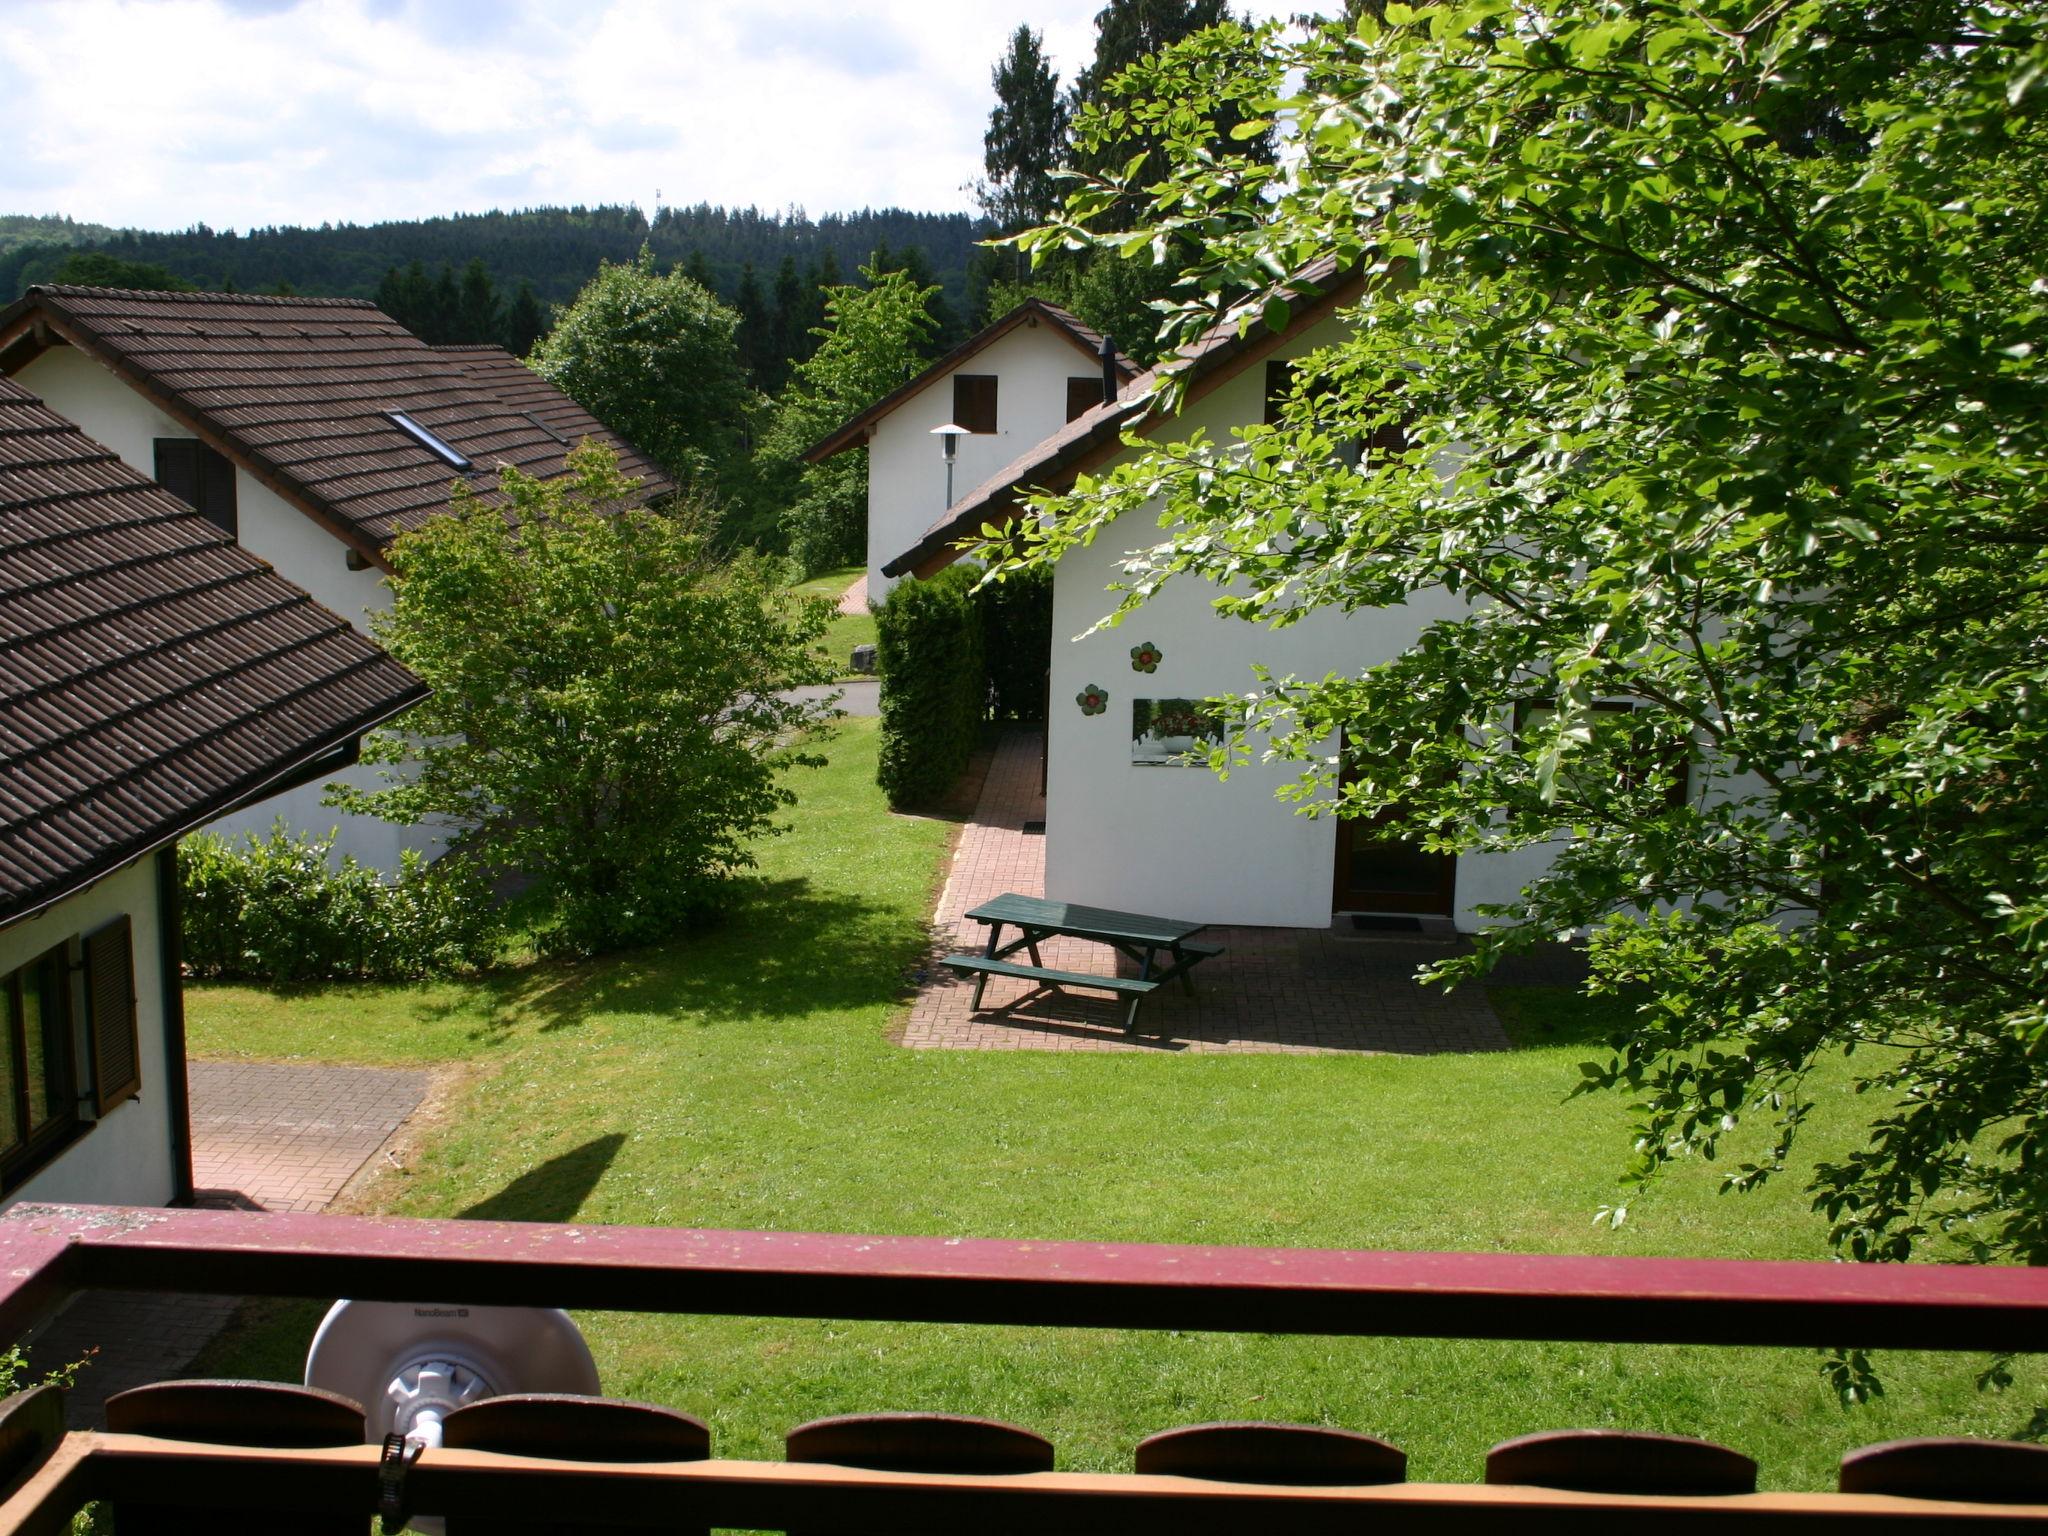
column 1032, row 311
column 30, row 326
column 334, row 750
column 1061, row 459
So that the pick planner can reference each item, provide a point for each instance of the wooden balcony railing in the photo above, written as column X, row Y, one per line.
column 47, row 1252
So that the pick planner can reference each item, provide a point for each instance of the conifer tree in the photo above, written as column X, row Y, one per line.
column 1026, row 138
column 476, row 309
column 525, row 321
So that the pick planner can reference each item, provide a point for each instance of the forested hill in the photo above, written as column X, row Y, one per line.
column 554, row 249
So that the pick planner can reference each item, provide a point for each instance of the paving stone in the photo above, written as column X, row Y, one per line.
column 265, row 1136
column 1291, row 990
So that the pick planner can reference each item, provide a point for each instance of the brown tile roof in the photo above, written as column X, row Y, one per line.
column 534, row 397
column 1083, row 336
column 296, row 391
column 153, row 674
column 1093, row 436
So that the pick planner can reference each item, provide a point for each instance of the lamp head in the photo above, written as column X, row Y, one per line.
column 949, row 439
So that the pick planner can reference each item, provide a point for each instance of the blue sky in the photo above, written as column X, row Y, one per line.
column 160, row 113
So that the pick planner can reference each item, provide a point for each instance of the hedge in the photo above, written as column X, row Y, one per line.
column 928, row 644
column 278, row 909
column 1016, row 633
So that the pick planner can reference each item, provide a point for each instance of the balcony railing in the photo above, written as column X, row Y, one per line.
column 48, row 1252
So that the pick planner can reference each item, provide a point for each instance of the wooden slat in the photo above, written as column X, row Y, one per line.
column 778, row 1495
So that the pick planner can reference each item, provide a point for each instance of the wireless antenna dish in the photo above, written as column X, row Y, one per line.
column 411, row 1365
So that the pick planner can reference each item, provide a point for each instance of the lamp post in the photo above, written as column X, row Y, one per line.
column 949, row 443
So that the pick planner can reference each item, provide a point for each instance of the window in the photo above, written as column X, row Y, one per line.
column 194, row 473
column 453, row 457
column 1084, row 393
column 38, row 1103
column 1382, row 440
column 1646, row 753
column 974, row 401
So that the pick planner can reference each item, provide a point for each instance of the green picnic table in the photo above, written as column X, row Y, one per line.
column 1145, row 940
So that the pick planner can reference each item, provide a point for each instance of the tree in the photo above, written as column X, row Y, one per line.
column 757, row 331
column 655, row 359
column 1128, row 32
column 791, row 307
column 608, row 715
column 873, row 339
column 1746, row 431
column 1026, row 138
column 96, row 269
column 476, row 306
column 525, row 321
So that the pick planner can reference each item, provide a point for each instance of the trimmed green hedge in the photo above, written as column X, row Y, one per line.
column 928, row 643
column 1016, row 637
column 278, row 909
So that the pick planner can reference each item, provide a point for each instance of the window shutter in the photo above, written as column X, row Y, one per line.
column 216, row 501
column 974, row 401
column 110, row 1013
column 1083, row 395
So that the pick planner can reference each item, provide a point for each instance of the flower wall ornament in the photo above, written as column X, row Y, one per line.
column 1146, row 657
column 1092, row 699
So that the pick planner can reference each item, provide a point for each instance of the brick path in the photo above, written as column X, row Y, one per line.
column 855, row 598
column 1302, row 990
column 268, row 1136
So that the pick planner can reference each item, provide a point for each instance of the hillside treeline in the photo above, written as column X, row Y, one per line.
column 555, row 251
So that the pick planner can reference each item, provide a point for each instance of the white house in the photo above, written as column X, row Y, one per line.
column 153, row 676
column 1124, row 828
column 1011, row 386
column 311, row 431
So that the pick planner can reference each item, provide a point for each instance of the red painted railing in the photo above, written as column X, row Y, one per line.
column 48, row 1251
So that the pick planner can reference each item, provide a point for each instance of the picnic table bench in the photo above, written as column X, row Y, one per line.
column 1142, row 939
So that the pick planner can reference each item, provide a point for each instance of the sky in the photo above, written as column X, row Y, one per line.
column 159, row 114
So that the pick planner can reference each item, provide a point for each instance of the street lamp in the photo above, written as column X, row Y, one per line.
column 949, row 443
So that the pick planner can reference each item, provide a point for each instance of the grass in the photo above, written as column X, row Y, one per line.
column 846, row 629
column 743, row 1078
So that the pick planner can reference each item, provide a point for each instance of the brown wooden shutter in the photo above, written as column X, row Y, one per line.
column 974, row 401
column 110, row 1015
column 1083, row 395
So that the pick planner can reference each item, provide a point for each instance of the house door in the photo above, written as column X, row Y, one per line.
column 1377, row 872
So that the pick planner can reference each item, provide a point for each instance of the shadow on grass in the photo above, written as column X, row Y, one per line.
column 554, row 1191
column 784, row 950
column 1539, row 1017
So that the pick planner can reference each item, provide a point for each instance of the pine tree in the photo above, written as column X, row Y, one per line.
column 525, row 321
column 476, row 308
column 1026, row 138
column 789, row 321
column 757, row 336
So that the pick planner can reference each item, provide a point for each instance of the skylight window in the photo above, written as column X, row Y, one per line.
column 427, row 440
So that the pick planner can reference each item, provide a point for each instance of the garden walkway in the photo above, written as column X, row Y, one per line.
column 267, row 1136
column 1298, row 990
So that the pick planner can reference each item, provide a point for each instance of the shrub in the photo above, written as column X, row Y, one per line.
column 612, row 708
column 280, row 909
column 1016, row 637
column 934, row 689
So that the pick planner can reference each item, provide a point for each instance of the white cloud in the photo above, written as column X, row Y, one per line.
column 160, row 113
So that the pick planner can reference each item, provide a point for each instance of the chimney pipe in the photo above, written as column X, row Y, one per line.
column 1110, row 381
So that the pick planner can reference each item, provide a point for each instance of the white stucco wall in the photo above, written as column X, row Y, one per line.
column 906, row 472
column 125, row 1159
column 1179, row 841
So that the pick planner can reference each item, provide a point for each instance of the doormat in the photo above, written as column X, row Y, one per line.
column 1034, row 826
column 1372, row 924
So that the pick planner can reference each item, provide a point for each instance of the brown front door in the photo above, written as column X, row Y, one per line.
column 1377, row 872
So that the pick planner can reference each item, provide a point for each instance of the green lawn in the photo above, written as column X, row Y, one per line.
column 847, row 629
column 743, row 1078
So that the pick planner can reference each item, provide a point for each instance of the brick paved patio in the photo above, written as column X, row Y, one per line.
column 270, row 1136
column 1302, row 990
